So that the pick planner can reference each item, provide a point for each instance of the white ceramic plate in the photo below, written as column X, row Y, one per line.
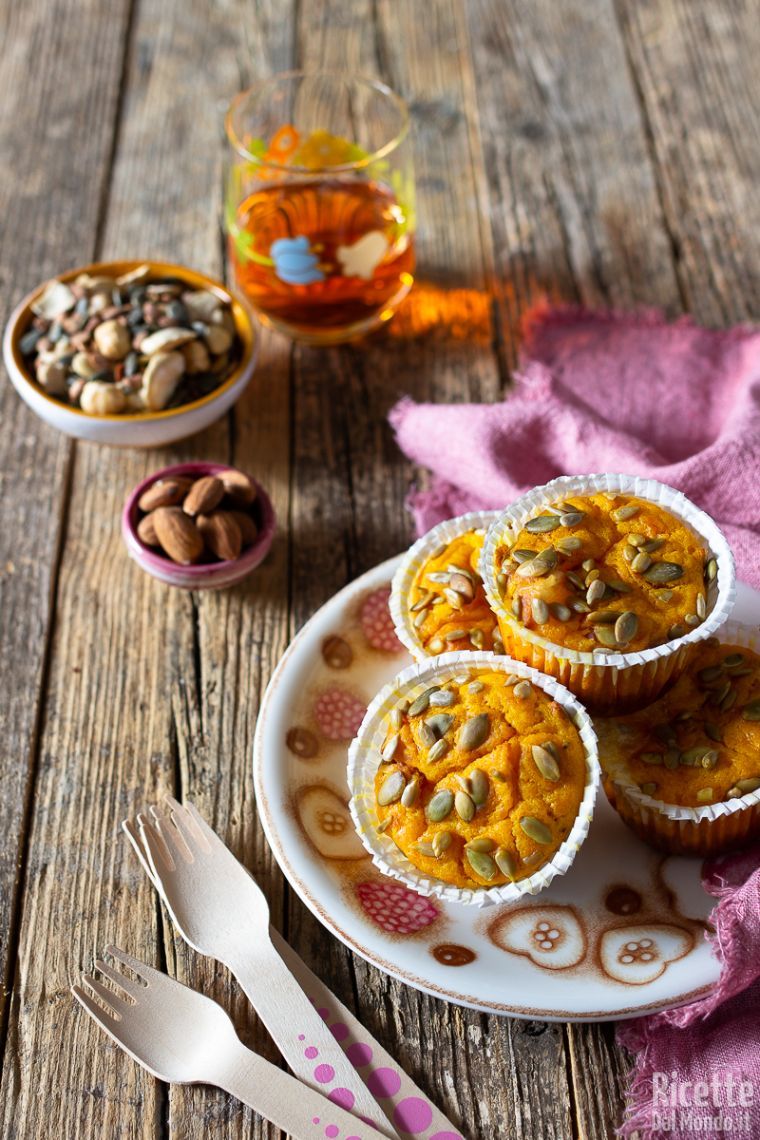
column 621, row 934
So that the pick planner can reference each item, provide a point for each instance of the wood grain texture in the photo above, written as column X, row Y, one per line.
column 603, row 152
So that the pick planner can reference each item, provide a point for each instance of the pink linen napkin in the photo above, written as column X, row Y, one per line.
column 605, row 392
column 697, row 1069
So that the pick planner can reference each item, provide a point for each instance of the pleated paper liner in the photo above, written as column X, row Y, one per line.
column 364, row 760
column 608, row 682
column 707, row 830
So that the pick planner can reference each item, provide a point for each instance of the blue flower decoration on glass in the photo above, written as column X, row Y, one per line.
column 294, row 261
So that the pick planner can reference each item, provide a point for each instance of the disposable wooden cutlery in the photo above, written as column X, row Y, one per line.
column 179, row 1035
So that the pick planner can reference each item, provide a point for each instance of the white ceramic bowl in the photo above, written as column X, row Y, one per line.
column 143, row 429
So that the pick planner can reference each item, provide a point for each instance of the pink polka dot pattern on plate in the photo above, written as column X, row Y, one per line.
column 359, row 1055
column 377, row 623
column 324, row 1074
column 338, row 714
column 344, row 1097
column 311, row 1052
column 384, row 1082
column 412, row 1115
column 339, row 1031
column 332, row 1130
column 395, row 908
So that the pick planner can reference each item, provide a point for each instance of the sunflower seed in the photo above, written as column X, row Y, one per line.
column 464, row 783
column 649, row 789
column 516, row 607
column 535, row 829
column 475, row 687
column 572, row 518
column 389, row 748
column 440, row 577
column 442, row 699
column 605, row 636
column 396, row 717
column 511, row 679
column 501, row 582
column 484, row 845
column 677, row 630
column 423, row 700
column 592, row 576
column 641, row 562
column 522, row 690
column 704, row 795
column 629, row 552
column 441, row 843
column 580, row 607
column 589, row 564
column 576, row 580
column 729, row 700
column 425, row 848
column 454, row 599
column 480, row 786
column 748, row 784
column 691, row 620
column 672, row 759
column 546, row 763
column 440, row 723
column 383, row 825
column 541, row 524
column 651, row 758
column 464, row 806
column 692, row 757
column 426, row 735
column 603, row 617
column 540, row 611
column 391, row 789
column 709, row 759
column 438, row 751
column 420, row 617
column 505, row 862
column 622, row 514
column 455, row 635
column 661, row 572
column 637, row 539
column 711, row 569
column 664, row 595
column 595, row 592
column 424, row 601
column 626, row 627
column 474, row 731
column 436, row 645
column 440, row 805
column 482, row 864
column 568, row 545
column 477, row 638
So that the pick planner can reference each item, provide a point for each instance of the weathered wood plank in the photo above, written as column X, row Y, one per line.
column 50, row 211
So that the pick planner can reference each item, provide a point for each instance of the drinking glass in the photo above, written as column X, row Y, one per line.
column 319, row 205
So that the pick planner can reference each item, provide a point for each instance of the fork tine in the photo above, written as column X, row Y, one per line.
column 130, row 830
column 130, row 987
column 172, row 835
column 187, row 824
column 155, row 844
column 142, row 969
column 205, row 833
column 96, row 1012
column 112, row 999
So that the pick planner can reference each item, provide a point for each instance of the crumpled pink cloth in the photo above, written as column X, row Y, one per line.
column 626, row 393
column 715, row 1041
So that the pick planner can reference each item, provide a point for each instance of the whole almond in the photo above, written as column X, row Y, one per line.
column 221, row 535
column 248, row 530
column 178, row 535
column 238, row 486
column 204, row 495
column 146, row 531
column 165, row 493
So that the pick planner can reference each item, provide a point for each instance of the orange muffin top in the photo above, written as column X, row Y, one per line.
column 606, row 571
column 447, row 602
column 481, row 779
column 699, row 743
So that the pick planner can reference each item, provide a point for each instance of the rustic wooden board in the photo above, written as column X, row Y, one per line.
column 601, row 151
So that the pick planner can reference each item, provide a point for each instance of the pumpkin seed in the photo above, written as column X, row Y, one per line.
column 666, row 733
column 653, row 544
column 576, row 581
column 704, row 795
column 522, row 690
column 477, row 638
column 605, row 636
column 580, row 607
column 482, row 864
column 454, row 599
column 748, row 784
column 440, row 805
column 629, row 552
column 536, row 568
column 391, row 789
column 440, row 723
column 383, row 825
column 441, row 843
column 709, row 674
column 521, row 555
column 455, row 635
column 411, row 793
column 588, row 565
column 535, row 829
column 603, row 617
column 661, row 572
column 641, row 562
column 729, row 700
column 569, row 544
column 436, row 645
column 733, row 661
column 677, row 630
column 464, row 806
column 664, row 595
column 622, row 514
column 672, row 759
column 651, row 758
column 572, row 518
column 541, row 524
column 505, row 862
column 474, row 731
column 425, row 848
column 595, row 592
column 626, row 627
column 421, row 617
column 560, row 612
column 710, row 759
column 692, row 757
column 540, row 611
column 548, row 556
column 475, row 687
column 426, row 735
column 592, row 576
column 701, row 606
column 713, row 731
column 711, row 569
column 440, row 577
column 443, row 699
column 751, row 711
column 546, row 763
column 484, row 845
column 424, row 601
column 648, row 789
column 439, row 750
column 618, row 586
column 389, row 748
column 516, row 607
column 423, row 700
column 480, row 785
column 691, row 620
column 500, row 777
column 637, row 539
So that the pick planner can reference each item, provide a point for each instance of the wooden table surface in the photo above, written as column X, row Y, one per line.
column 601, row 151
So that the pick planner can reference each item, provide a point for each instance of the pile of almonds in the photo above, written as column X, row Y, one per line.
column 129, row 344
column 205, row 519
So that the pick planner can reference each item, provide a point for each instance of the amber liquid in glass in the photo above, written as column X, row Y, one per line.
column 333, row 215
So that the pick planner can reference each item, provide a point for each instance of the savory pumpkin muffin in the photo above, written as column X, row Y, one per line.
column 437, row 600
column 695, row 748
column 481, row 778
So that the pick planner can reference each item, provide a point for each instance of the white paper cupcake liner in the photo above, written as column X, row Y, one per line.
column 719, row 818
column 599, row 675
column 364, row 760
column 414, row 559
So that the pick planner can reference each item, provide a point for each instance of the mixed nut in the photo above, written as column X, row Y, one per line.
column 129, row 344
column 203, row 519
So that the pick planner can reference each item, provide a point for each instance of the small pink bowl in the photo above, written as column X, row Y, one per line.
column 207, row 575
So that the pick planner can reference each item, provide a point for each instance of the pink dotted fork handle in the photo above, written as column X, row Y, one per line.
column 405, row 1105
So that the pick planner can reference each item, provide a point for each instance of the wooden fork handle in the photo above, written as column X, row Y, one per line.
column 300, row 1033
column 285, row 1101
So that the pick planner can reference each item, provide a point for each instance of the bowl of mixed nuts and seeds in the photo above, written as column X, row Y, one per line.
column 130, row 353
column 198, row 525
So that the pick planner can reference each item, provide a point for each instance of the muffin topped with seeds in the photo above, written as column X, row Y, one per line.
column 606, row 571
column 481, row 778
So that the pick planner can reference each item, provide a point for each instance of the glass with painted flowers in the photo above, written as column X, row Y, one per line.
column 320, row 203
